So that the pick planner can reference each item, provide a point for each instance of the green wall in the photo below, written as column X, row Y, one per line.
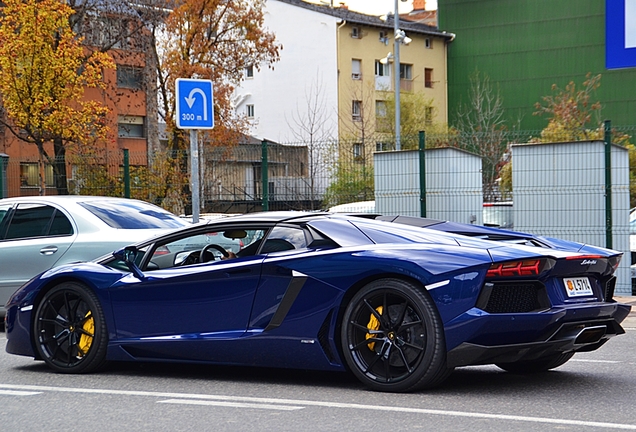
column 526, row 46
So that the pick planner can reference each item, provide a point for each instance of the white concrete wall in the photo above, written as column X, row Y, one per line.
column 308, row 59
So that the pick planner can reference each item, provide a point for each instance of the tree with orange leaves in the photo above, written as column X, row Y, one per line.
column 215, row 40
column 43, row 74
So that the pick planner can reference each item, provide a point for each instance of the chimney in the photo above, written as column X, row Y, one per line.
column 419, row 5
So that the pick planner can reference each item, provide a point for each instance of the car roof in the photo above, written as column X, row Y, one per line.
column 65, row 198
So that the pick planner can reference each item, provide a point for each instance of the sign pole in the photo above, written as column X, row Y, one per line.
column 194, row 110
column 194, row 174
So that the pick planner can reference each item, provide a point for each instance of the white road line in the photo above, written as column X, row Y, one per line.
column 18, row 393
column 297, row 402
column 232, row 404
column 595, row 361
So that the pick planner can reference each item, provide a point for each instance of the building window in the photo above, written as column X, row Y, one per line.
column 131, row 126
column 249, row 110
column 129, row 76
column 357, row 150
column 428, row 43
column 30, row 174
column 428, row 78
column 356, row 109
column 380, row 108
column 249, row 71
column 355, row 33
column 428, row 115
column 382, row 146
column 406, row 71
column 356, row 69
column 382, row 69
column 108, row 32
column 384, row 38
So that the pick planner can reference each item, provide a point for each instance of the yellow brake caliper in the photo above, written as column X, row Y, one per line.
column 86, row 339
column 374, row 324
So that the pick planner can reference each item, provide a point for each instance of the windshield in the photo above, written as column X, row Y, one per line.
column 125, row 214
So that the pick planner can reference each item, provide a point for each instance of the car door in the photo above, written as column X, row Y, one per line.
column 183, row 308
column 279, row 285
column 33, row 237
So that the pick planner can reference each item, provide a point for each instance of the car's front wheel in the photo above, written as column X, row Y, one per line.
column 393, row 338
column 69, row 329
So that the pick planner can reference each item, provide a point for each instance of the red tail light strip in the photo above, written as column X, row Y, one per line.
column 583, row 257
column 515, row 268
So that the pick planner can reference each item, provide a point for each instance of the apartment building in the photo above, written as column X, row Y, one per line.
column 132, row 112
column 335, row 74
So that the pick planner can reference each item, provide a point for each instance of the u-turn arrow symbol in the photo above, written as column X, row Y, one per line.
column 190, row 101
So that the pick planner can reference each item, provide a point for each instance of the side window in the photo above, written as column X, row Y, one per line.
column 284, row 238
column 60, row 225
column 205, row 247
column 30, row 220
column 4, row 211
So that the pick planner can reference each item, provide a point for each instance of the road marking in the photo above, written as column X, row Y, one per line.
column 596, row 361
column 297, row 402
column 18, row 393
column 232, row 404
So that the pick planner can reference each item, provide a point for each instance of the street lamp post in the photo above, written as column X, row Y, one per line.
column 396, row 69
column 399, row 38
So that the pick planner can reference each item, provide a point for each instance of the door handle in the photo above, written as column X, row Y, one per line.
column 48, row 250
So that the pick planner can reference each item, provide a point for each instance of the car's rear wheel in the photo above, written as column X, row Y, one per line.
column 393, row 338
column 539, row 365
column 70, row 330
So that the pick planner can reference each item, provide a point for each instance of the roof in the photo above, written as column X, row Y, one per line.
column 370, row 20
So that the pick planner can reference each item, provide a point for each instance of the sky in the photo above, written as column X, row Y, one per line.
column 378, row 7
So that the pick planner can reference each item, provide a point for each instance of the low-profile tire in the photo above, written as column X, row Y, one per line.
column 69, row 329
column 542, row 364
column 393, row 338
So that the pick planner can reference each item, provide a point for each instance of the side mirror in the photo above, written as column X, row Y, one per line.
column 129, row 256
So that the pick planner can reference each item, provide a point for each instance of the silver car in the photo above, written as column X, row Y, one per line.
column 38, row 233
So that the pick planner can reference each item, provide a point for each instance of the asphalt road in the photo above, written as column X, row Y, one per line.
column 592, row 392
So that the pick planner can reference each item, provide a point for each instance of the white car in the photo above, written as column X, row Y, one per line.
column 38, row 233
column 354, row 207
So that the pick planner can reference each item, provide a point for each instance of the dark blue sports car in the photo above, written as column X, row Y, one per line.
column 397, row 304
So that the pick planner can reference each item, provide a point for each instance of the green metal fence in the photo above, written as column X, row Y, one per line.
column 255, row 176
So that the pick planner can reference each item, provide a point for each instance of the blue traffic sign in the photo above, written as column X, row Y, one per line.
column 194, row 104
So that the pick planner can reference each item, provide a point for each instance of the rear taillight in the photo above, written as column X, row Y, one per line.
column 529, row 267
column 583, row 257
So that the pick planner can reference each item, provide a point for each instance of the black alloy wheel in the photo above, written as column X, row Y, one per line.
column 393, row 338
column 69, row 329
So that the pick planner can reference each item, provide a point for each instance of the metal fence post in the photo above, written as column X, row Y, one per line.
column 4, row 161
column 126, row 174
column 264, row 176
column 608, row 184
column 422, row 157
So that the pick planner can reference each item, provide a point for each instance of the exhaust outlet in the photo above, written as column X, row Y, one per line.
column 590, row 335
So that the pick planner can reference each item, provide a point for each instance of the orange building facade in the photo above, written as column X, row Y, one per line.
column 129, row 101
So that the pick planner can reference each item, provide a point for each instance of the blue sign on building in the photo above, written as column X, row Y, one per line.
column 620, row 34
column 194, row 105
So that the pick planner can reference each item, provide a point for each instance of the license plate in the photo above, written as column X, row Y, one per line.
column 578, row 287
